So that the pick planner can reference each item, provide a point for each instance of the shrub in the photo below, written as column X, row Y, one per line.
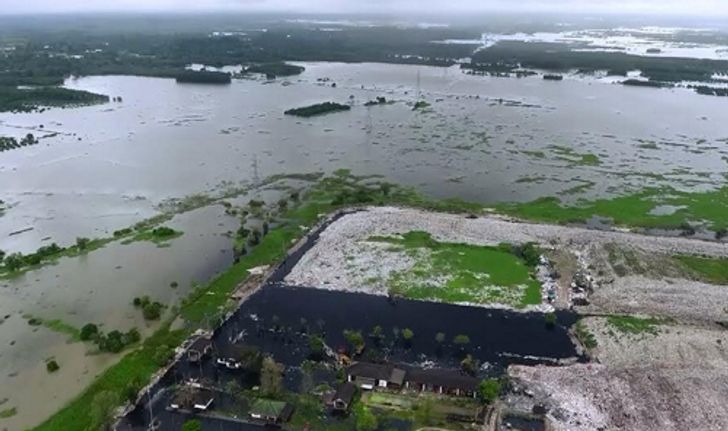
column 89, row 331
column 52, row 366
column 489, row 390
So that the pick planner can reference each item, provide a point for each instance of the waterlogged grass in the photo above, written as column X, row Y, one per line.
column 56, row 325
column 709, row 208
column 636, row 325
column 712, row 270
column 575, row 158
column 455, row 272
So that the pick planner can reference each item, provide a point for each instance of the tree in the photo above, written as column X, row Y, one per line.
column 101, row 410
column 461, row 341
column 271, row 377
column 440, row 337
column 550, row 320
column 469, row 364
column 14, row 262
column 316, row 344
column 152, row 310
column 489, row 390
column 365, row 419
column 192, row 425
column 89, row 332
column 82, row 243
column 355, row 340
column 407, row 335
column 2, row 253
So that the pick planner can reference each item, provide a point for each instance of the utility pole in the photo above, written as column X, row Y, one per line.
column 256, row 177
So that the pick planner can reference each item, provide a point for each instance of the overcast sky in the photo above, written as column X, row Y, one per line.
column 693, row 7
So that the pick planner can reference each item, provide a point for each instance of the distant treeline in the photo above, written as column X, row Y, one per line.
column 710, row 91
column 31, row 99
column 203, row 77
column 508, row 56
column 43, row 57
column 317, row 109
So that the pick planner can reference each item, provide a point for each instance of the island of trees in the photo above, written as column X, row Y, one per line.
column 273, row 70
column 317, row 109
column 203, row 77
column 15, row 99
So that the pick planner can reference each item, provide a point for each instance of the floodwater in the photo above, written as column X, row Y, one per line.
column 101, row 168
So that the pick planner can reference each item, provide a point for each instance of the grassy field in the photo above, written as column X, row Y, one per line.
column 636, row 325
column 712, row 270
column 451, row 272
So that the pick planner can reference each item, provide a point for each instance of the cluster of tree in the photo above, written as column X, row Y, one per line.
column 163, row 232
column 15, row 261
column 10, row 143
column 645, row 83
column 203, row 77
column 317, row 109
column 151, row 310
column 711, row 91
column 14, row 99
column 114, row 342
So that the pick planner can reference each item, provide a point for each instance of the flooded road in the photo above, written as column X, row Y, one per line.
column 105, row 167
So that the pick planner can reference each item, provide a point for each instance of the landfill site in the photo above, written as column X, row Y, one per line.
column 667, row 371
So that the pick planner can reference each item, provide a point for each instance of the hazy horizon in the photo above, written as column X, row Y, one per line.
column 709, row 8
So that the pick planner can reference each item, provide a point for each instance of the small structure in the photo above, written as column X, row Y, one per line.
column 342, row 398
column 270, row 412
column 192, row 398
column 237, row 357
column 442, row 381
column 368, row 375
column 199, row 350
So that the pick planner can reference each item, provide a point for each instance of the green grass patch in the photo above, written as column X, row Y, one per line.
column 455, row 272
column 712, row 270
column 585, row 337
column 636, row 325
column 709, row 208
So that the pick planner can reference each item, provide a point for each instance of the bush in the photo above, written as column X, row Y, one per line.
column 152, row 311
column 317, row 347
column 489, row 390
column 52, row 366
column 89, row 331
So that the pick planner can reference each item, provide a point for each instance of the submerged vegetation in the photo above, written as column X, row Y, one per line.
column 276, row 69
column 317, row 109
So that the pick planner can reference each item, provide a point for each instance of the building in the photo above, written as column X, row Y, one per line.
column 270, row 412
column 442, row 381
column 368, row 375
column 192, row 398
column 199, row 350
column 342, row 398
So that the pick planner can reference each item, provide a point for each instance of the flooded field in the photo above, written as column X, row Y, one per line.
column 101, row 168
column 482, row 139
